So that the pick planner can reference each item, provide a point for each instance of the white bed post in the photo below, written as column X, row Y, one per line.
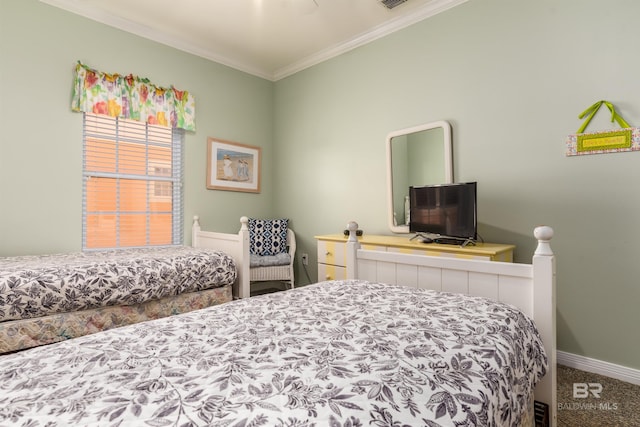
column 352, row 248
column 544, row 314
column 244, row 276
column 195, row 229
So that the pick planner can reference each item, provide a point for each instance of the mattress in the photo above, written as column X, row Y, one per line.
column 26, row 333
column 35, row 286
column 343, row 353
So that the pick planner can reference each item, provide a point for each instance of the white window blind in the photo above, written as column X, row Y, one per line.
column 132, row 184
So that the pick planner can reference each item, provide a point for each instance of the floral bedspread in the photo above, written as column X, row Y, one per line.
column 344, row 353
column 34, row 286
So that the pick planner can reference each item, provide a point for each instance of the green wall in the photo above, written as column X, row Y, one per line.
column 510, row 75
column 41, row 142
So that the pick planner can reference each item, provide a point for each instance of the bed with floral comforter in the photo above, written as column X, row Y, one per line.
column 344, row 353
column 49, row 298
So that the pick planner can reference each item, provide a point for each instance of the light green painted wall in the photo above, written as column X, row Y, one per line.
column 511, row 76
column 41, row 142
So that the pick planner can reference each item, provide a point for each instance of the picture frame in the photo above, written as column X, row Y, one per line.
column 232, row 166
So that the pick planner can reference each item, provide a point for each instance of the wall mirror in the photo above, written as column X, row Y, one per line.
column 420, row 155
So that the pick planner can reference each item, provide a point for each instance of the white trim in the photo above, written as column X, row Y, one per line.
column 90, row 11
column 430, row 9
column 599, row 367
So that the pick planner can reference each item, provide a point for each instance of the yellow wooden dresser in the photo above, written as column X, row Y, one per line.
column 332, row 258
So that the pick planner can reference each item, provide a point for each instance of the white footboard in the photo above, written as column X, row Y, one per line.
column 236, row 245
column 530, row 287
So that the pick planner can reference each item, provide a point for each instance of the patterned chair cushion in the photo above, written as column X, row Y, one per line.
column 268, row 236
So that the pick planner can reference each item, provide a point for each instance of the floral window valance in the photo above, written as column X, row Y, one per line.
column 132, row 97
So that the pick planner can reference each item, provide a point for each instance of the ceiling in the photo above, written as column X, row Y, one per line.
column 271, row 39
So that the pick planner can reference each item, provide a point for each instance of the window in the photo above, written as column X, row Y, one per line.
column 132, row 190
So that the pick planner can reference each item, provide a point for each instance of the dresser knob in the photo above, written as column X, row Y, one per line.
column 328, row 253
column 328, row 277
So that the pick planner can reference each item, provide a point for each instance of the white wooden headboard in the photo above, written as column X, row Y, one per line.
column 236, row 245
column 530, row 287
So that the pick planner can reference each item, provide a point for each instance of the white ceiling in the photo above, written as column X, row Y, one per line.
column 267, row 38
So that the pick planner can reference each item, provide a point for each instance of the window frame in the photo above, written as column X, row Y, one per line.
column 175, row 164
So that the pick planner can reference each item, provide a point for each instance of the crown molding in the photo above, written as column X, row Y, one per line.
column 86, row 9
column 430, row 9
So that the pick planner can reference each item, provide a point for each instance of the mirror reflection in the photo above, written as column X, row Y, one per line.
column 420, row 155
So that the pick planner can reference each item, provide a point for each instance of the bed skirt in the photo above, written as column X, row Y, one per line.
column 26, row 333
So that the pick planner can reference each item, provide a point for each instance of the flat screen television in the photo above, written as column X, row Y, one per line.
column 446, row 210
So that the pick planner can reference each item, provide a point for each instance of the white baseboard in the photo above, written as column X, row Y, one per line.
column 596, row 366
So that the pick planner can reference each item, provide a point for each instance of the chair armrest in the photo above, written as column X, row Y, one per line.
column 291, row 242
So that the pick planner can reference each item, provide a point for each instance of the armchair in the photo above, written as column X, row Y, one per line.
column 272, row 248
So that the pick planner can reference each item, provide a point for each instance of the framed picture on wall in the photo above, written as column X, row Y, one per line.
column 233, row 166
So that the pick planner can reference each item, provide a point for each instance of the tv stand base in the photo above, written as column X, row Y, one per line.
column 454, row 241
column 443, row 240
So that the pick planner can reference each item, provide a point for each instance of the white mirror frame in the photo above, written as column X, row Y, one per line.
column 448, row 165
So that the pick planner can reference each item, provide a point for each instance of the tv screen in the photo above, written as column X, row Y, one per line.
column 447, row 210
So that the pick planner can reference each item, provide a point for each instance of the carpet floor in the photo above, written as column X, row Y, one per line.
column 618, row 404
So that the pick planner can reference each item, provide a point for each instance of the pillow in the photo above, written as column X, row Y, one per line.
column 268, row 236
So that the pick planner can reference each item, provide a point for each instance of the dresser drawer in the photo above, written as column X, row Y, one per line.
column 332, row 253
column 372, row 247
column 331, row 272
